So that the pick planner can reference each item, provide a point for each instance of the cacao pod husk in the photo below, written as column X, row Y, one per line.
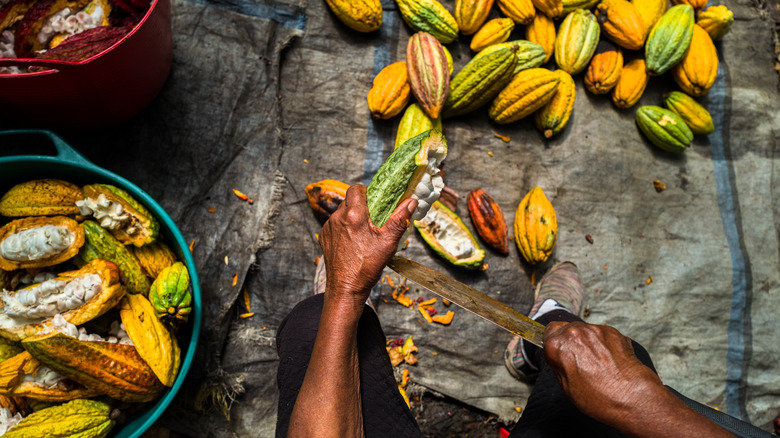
column 621, row 22
column 471, row 14
column 536, row 227
column 170, row 294
column 142, row 227
column 78, row 418
column 651, row 11
column 693, row 113
column 27, row 42
column 155, row 257
column 413, row 123
column 542, row 32
column 669, row 39
column 488, row 220
column 631, row 85
column 41, row 197
column 716, row 21
column 495, row 31
column 390, row 91
column 429, row 16
column 520, row 11
column 325, row 197
column 604, row 69
column 13, row 382
column 528, row 54
column 553, row 116
column 576, row 42
column 360, row 15
column 445, row 233
column 13, row 11
column 697, row 70
column 528, row 91
column 31, row 247
column 480, row 80
column 664, row 128
column 428, row 74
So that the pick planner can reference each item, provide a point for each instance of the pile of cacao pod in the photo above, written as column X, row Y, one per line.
column 64, row 30
column 92, row 301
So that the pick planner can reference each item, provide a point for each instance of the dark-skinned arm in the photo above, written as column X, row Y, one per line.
column 355, row 251
column 600, row 374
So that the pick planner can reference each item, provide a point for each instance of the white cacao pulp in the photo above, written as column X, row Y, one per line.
column 36, row 243
column 8, row 420
column 50, row 298
column 449, row 236
column 429, row 187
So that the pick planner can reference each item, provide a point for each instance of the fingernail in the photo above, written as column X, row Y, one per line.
column 412, row 205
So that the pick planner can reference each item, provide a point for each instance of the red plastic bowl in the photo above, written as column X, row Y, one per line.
column 104, row 90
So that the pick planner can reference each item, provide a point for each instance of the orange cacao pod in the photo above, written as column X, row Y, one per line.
column 488, row 220
column 696, row 72
column 520, row 11
column 428, row 71
column 360, row 15
column 550, row 8
column 697, row 4
column 390, row 92
column 621, row 22
column 605, row 68
column 471, row 14
column 325, row 197
column 542, row 31
column 495, row 31
column 631, row 85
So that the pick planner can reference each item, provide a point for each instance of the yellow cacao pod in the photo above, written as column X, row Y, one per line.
column 576, row 42
column 697, row 4
column 450, row 64
column 390, row 92
column 480, row 80
column 528, row 54
column 429, row 16
column 360, row 15
column 693, row 113
column 471, row 14
column 520, row 11
column 604, row 69
column 631, row 85
column 528, row 91
column 716, row 20
column 154, row 257
column 429, row 77
column 495, row 31
column 550, row 8
column 413, row 123
column 78, row 418
column 573, row 5
column 696, row 73
column 651, row 11
column 621, row 22
column 536, row 227
column 42, row 197
column 542, row 31
column 552, row 118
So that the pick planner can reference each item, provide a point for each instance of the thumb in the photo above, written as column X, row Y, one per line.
column 398, row 222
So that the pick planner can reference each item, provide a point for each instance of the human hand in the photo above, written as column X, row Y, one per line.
column 355, row 250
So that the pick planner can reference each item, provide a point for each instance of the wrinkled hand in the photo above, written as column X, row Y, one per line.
column 355, row 250
column 598, row 370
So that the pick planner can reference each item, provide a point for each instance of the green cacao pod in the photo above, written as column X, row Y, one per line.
column 100, row 244
column 664, row 128
column 429, row 77
column 9, row 349
column 128, row 220
column 716, row 21
column 360, row 15
column 621, row 22
column 553, row 116
column 520, row 11
column 669, row 40
column 536, row 227
column 78, row 418
column 697, row 70
column 529, row 55
column 41, row 197
column 154, row 257
column 604, row 69
column 576, row 42
column 37, row 242
column 693, row 113
column 480, row 80
column 170, row 294
column 495, row 31
column 413, row 123
column 529, row 90
column 542, row 32
column 429, row 16
column 445, row 233
column 471, row 14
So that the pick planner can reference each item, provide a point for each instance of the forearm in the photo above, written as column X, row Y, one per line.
column 329, row 402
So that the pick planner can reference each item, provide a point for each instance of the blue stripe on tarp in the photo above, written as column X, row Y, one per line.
column 292, row 18
column 739, row 330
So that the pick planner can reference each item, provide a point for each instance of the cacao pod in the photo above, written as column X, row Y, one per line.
column 693, row 113
column 77, row 418
column 553, row 117
column 488, row 220
column 696, row 4
column 100, row 244
column 325, row 197
column 669, row 40
column 429, row 77
column 536, row 227
column 450, row 63
column 360, row 15
column 98, row 9
column 621, row 22
column 529, row 90
column 37, row 242
column 153, row 341
column 9, row 349
column 631, row 85
column 23, row 376
column 651, row 11
column 664, row 128
column 412, row 170
column 84, row 45
column 27, row 41
column 495, row 31
column 429, row 16
column 390, row 91
column 576, row 42
column 170, row 294
column 542, row 32
column 13, row 11
column 154, row 257
column 445, row 233
column 41, row 197
column 550, row 8
column 697, row 70
column 520, row 11
column 480, row 80
column 413, row 123
column 604, row 69
column 716, row 20
column 471, row 14
column 572, row 5
column 528, row 54
column 115, row 209
column 65, row 298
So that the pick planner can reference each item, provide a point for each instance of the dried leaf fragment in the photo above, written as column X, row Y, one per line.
column 503, row 138
column 423, row 310
column 247, row 303
column 659, row 186
column 235, row 280
column 192, row 245
column 649, row 280
column 246, row 315
column 240, row 195
column 428, row 302
column 444, row 319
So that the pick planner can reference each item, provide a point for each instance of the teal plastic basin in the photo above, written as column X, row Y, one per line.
column 71, row 166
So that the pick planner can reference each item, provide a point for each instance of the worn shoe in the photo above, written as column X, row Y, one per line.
column 560, row 288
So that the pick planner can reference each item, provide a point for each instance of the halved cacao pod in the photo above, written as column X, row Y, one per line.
column 488, row 220
column 471, row 14
column 520, row 11
column 651, row 11
column 536, row 227
column 411, row 171
column 429, row 16
column 84, row 45
column 696, row 4
column 390, row 91
column 697, row 70
column 631, row 85
column 495, row 31
column 576, row 42
column 621, row 22
column 100, row 244
column 550, row 8
column 716, row 20
column 115, row 209
column 77, row 418
column 100, row 10
column 669, row 39
column 555, row 114
column 41, row 197
column 693, row 113
column 445, row 233
column 413, row 123
column 604, row 69
column 573, row 5
column 528, row 54
column 664, row 128
column 27, row 42
column 360, row 15
column 153, row 340
column 155, row 257
column 325, row 197
column 9, row 348
column 542, row 31
column 529, row 90
column 428, row 73
column 116, row 370
column 106, row 296
column 22, row 375
column 37, row 242
column 170, row 294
